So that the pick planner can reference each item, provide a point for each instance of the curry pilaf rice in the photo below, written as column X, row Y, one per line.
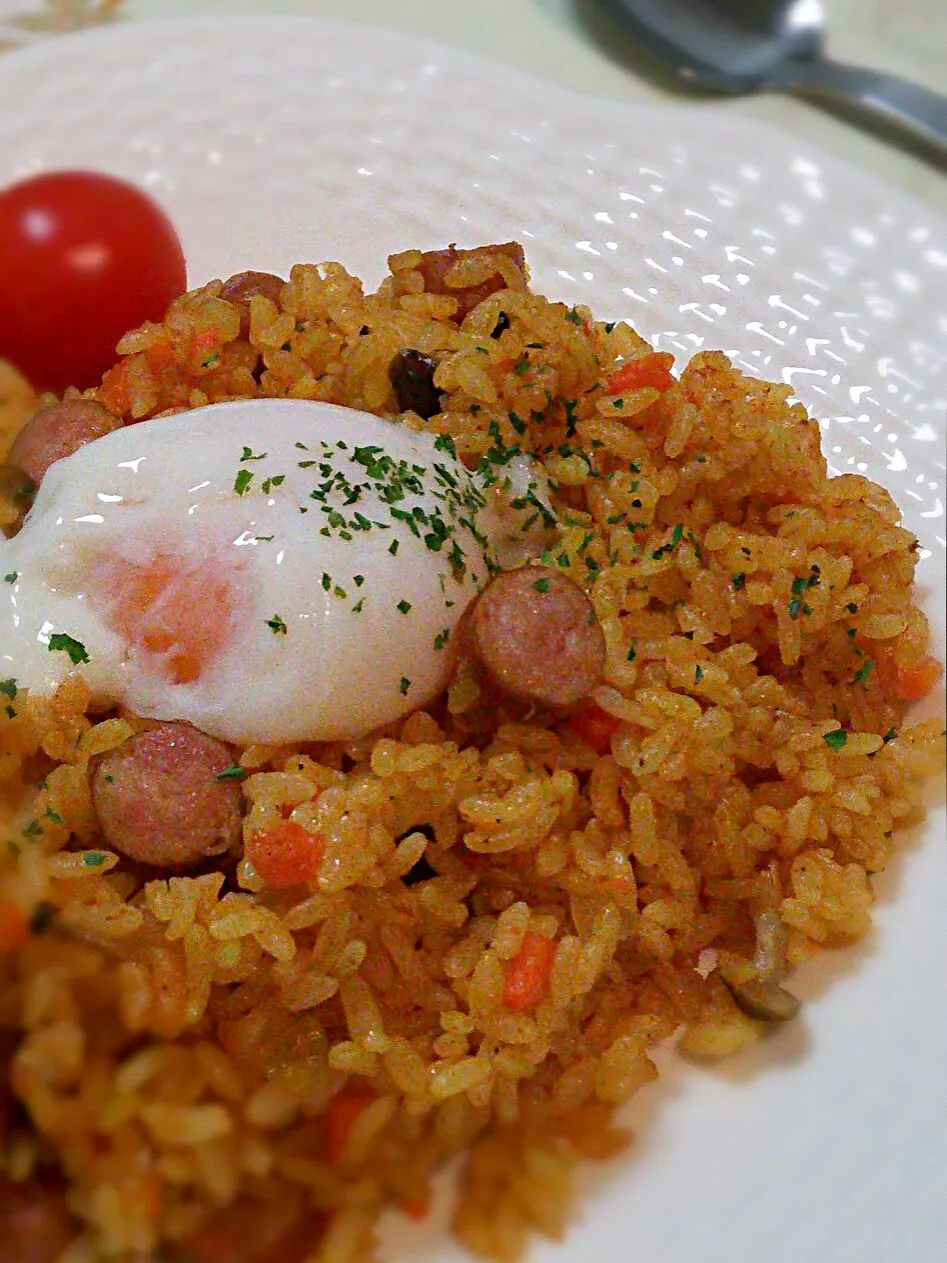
column 520, row 904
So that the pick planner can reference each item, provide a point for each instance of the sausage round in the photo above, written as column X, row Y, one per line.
column 35, row 1223
column 535, row 634
column 249, row 1232
column 435, row 264
column 160, row 800
column 241, row 287
column 58, row 431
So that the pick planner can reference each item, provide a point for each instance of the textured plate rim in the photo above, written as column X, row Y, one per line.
column 705, row 117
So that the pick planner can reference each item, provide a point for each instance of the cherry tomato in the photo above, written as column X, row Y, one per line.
column 84, row 258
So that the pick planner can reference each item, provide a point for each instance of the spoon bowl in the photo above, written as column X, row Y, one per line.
column 725, row 45
column 741, row 46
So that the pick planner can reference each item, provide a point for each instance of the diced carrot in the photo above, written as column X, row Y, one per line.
column 159, row 355
column 530, row 971
column 594, row 726
column 916, row 681
column 114, row 391
column 14, row 926
column 285, row 854
column 652, row 370
column 339, row 1119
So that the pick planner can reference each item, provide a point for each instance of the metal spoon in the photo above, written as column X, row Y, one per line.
column 741, row 46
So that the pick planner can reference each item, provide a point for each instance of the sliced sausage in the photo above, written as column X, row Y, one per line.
column 160, row 798
column 535, row 634
column 58, row 431
column 435, row 264
column 35, row 1223
column 243, row 286
column 249, row 1232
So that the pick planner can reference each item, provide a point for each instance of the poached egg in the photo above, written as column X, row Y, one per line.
column 267, row 570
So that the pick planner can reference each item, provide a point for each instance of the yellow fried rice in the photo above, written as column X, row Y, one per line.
column 180, row 1046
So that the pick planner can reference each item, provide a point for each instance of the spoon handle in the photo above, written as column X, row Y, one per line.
column 918, row 110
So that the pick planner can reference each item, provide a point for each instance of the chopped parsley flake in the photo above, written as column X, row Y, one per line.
column 11, row 577
column 698, row 674
column 233, row 773
column 59, row 642
column 23, row 492
column 93, row 859
column 890, row 735
column 836, row 740
column 676, row 536
column 404, row 685
column 541, row 585
column 358, row 606
column 631, row 654
column 738, row 581
column 403, row 607
column 358, row 580
column 570, row 406
column 8, row 688
column 249, row 454
column 863, row 672
column 269, row 483
column 441, row 639
column 32, row 831
column 797, row 606
column 241, row 484
column 610, row 327
column 276, row 625
column 574, row 316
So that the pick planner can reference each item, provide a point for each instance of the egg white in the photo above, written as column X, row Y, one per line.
column 342, row 610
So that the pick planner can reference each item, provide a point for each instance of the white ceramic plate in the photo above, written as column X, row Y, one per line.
column 276, row 140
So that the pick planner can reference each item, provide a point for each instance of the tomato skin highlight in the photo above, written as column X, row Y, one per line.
column 84, row 257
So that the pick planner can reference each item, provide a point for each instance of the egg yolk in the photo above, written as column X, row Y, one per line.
column 177, row 609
